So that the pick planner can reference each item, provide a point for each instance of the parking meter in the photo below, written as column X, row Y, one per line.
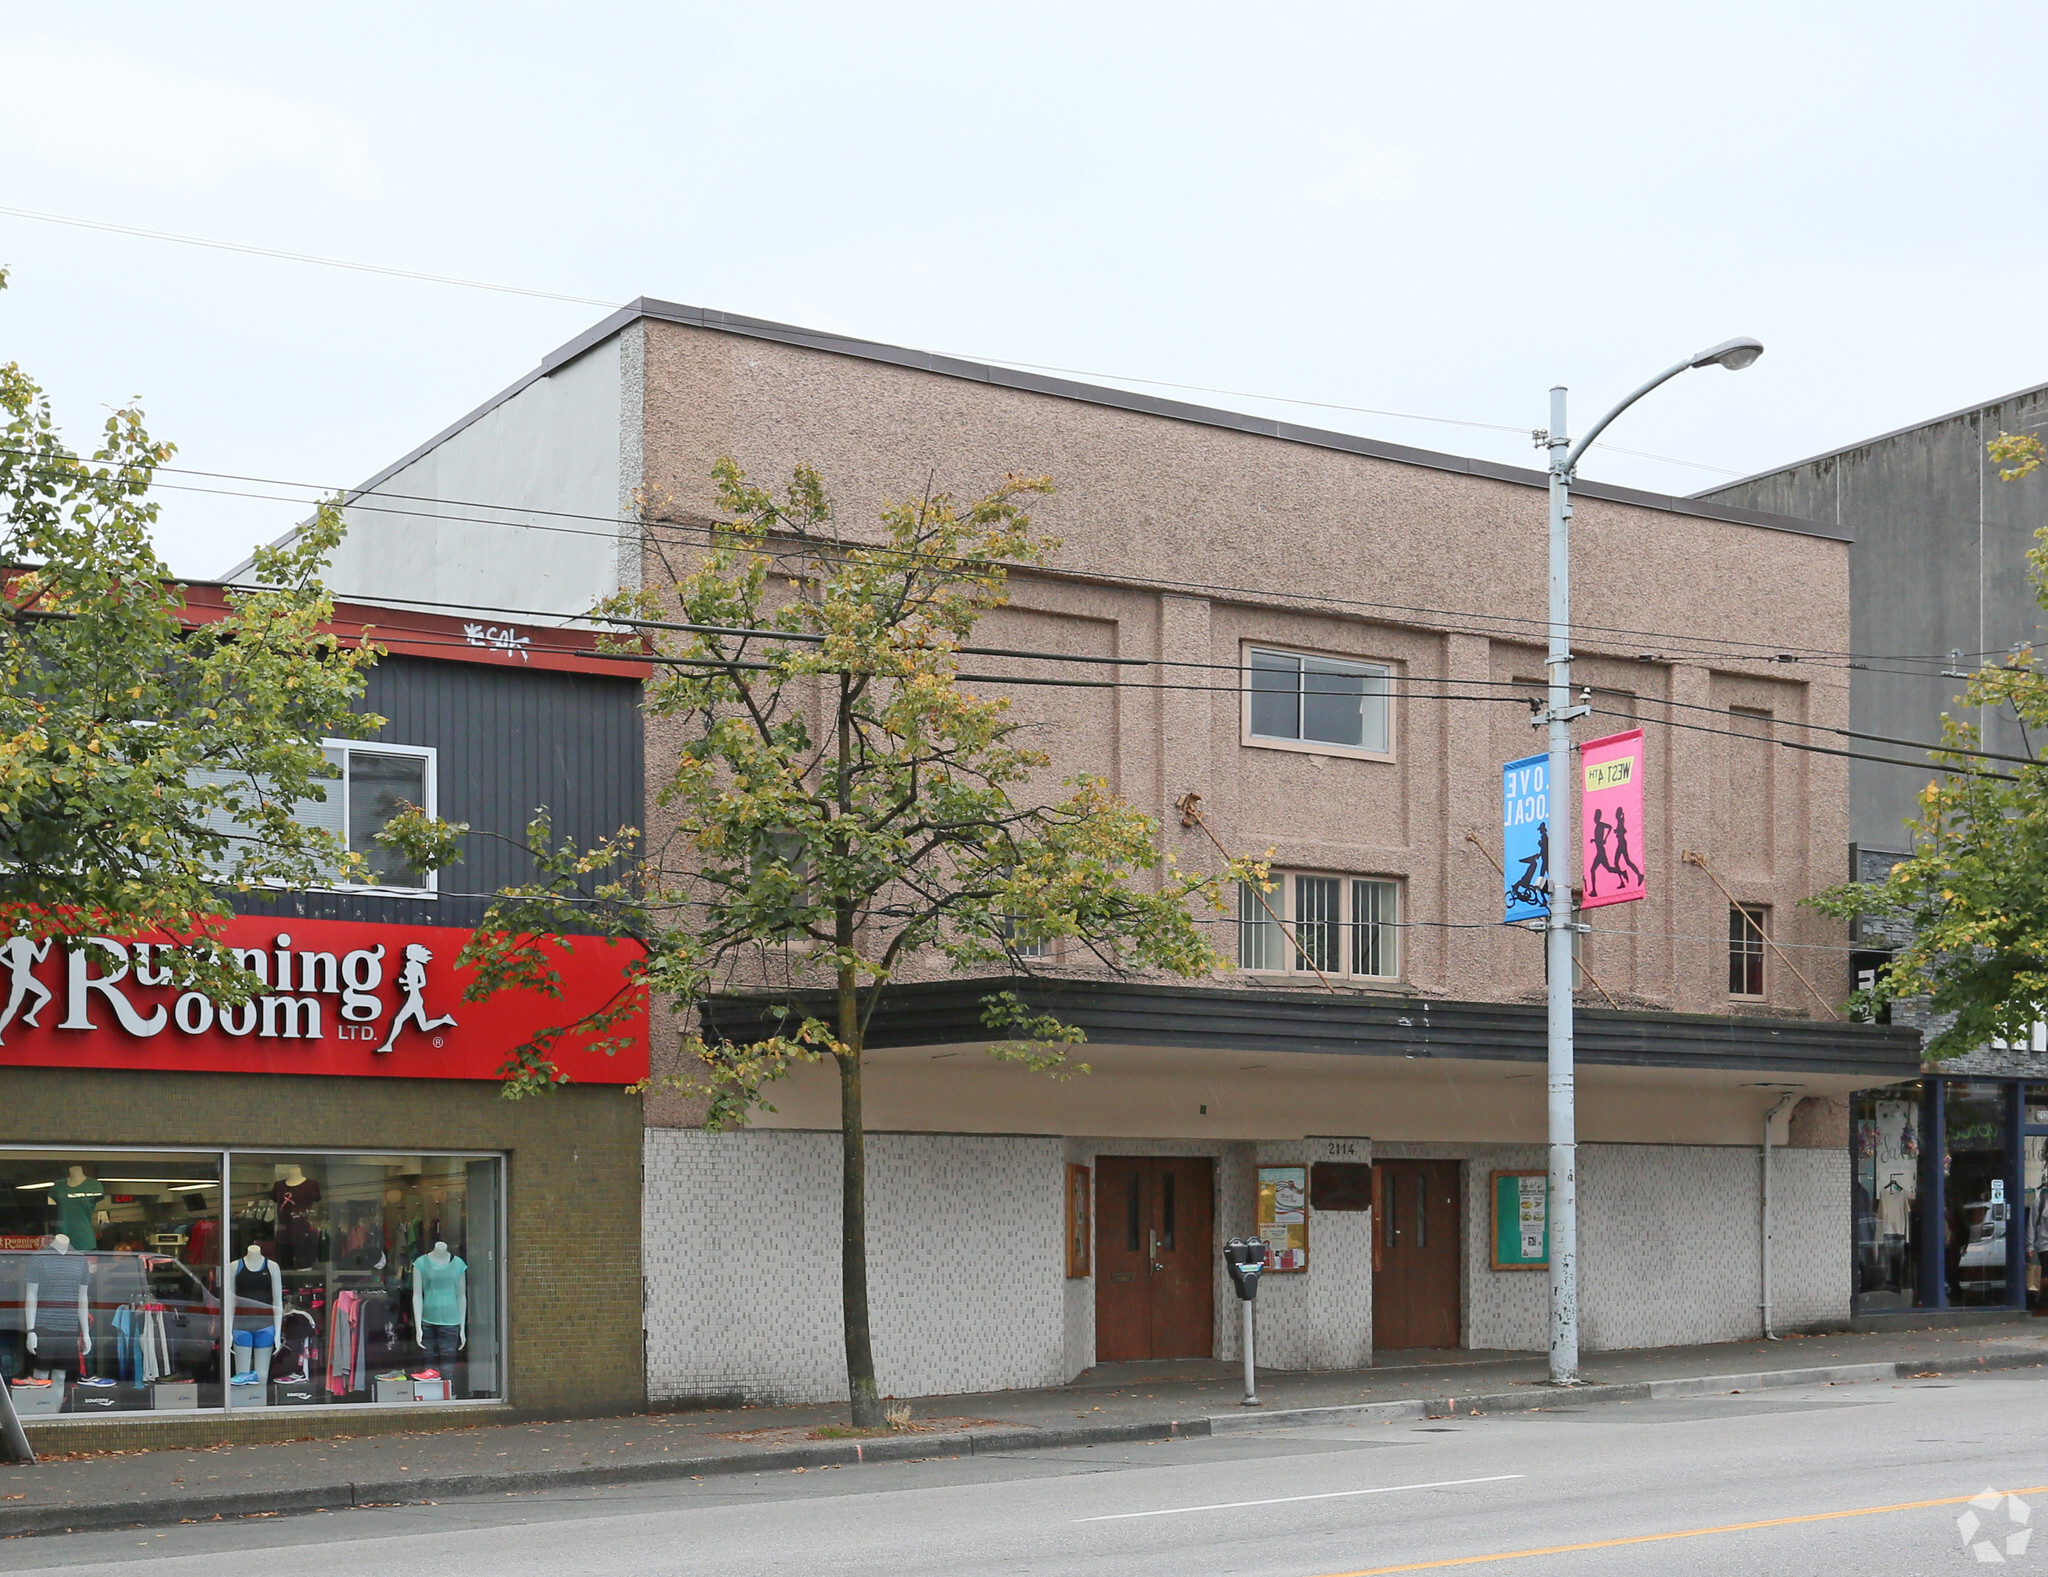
column 1245, row 1258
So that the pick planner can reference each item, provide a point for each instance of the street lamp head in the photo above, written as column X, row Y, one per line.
column 1734, row 354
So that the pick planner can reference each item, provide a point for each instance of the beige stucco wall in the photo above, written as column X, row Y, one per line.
column 1185, row 542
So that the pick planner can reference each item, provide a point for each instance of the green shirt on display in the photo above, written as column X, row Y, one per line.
column 76, row 1206
column 440, row 1289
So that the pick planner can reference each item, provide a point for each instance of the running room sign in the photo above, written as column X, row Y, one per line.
column 341, row 997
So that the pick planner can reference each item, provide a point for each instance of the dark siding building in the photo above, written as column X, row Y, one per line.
column 318, row 1212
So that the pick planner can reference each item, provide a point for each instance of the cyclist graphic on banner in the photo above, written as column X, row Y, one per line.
column 1525, row 838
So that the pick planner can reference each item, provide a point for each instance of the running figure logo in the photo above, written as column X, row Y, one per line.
column 412, row 980
column 19, row 956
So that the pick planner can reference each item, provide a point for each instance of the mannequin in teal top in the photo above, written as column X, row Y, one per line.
column 440, row 1306
column 77, row 1199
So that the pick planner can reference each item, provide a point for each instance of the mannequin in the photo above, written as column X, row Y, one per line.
column 259, row 1314
column 77, row 1199
column 58, row 1315
column 295, row 1194
column 440, row 1306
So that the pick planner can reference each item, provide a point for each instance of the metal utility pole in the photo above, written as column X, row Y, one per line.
column 1563, row 1213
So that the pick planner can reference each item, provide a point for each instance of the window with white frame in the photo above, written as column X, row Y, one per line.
column 1335, row 925
column 370, row 785
column 1301, row 699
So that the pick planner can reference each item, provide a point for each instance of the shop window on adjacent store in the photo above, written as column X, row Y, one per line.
column 1746, row 924
column 1332, row 924
column 196, row 1279
column 1294, row 698
column 1975, row 1192
column 2034, row 1185
column 1885, row 1141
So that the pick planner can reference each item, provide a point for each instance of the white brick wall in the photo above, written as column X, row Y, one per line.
column 742, row 1254
column 1669, row 1245
column 968, row 1285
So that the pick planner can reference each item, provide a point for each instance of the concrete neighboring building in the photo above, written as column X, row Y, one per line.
column 1938, row 582
column 1024, row 1230
column 1938, row 587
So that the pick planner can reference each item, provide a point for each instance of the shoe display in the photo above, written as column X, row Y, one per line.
column 426, row 1374
column 251, row 1378
column 98, row 1379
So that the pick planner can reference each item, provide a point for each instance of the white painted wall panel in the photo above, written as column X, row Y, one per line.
column 555, row 446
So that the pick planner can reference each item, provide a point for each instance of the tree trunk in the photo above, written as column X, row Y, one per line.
column 853, row 1239
column 853, row 1171
column 853, row 1247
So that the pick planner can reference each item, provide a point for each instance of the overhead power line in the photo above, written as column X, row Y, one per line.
column 595, row 301
column 301, row 257
column 1675, row 643
column 1517, row 696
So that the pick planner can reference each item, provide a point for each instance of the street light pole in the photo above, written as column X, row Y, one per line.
column 1734, row 354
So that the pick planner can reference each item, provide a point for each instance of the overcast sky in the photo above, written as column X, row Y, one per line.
column 1431, row 209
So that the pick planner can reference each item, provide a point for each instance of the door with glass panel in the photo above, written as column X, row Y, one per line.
column 1415, row 1256
column 1154, row 1258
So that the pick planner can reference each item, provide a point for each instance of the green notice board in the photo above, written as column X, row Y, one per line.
column 1521, row 1221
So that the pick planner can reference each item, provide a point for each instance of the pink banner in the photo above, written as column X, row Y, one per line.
column 1611, row 819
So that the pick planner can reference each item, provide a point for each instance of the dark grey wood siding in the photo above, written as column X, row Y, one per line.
column 507, row 741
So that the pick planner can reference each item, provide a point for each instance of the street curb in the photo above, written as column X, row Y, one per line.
column 1535, row 1398
column 16, row 1521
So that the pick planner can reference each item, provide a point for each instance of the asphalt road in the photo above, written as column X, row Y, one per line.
column 1866, row 1479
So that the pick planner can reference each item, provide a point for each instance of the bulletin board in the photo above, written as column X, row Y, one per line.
column 1080, row 1230
column 1521, row 1220
column 1283, row 1217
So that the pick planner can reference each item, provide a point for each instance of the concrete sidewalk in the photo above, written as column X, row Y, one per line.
column 76, row 1488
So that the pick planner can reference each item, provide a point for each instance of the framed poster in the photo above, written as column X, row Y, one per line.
column 1521, row 1220
column 1283, row 1216
column 1080, row 1223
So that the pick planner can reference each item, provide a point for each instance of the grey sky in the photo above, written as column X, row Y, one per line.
column 1430, row 209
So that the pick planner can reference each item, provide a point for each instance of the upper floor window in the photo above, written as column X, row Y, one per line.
column 1746, row 924
column 370, row 786
column 1335, row 925
column 1318, row 700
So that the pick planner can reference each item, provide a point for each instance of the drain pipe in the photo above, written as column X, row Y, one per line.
column 1769, row 1117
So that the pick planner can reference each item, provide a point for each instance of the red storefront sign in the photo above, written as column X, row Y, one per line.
column 359, row 1000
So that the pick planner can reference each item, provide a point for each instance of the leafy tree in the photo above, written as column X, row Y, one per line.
column 844, row 809
column 1974, row 893
column 150, row 763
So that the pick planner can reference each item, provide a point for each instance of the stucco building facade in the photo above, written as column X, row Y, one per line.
column 1024, row 1230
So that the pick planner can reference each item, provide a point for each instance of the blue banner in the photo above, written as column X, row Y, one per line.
column 1525, row 838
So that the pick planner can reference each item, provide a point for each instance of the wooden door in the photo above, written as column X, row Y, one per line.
column 1154, row 1257
column 1416, row 1244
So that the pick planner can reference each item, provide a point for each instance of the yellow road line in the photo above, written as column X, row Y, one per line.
column 1685, row 1533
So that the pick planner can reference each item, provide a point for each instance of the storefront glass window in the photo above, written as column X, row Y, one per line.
column 363, row 1278
column 128, row 1282
column 1886, row 1139
column 1975, row 1192
column 109, row 1269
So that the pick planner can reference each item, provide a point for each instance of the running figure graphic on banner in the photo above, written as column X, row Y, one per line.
column 1612, row 815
